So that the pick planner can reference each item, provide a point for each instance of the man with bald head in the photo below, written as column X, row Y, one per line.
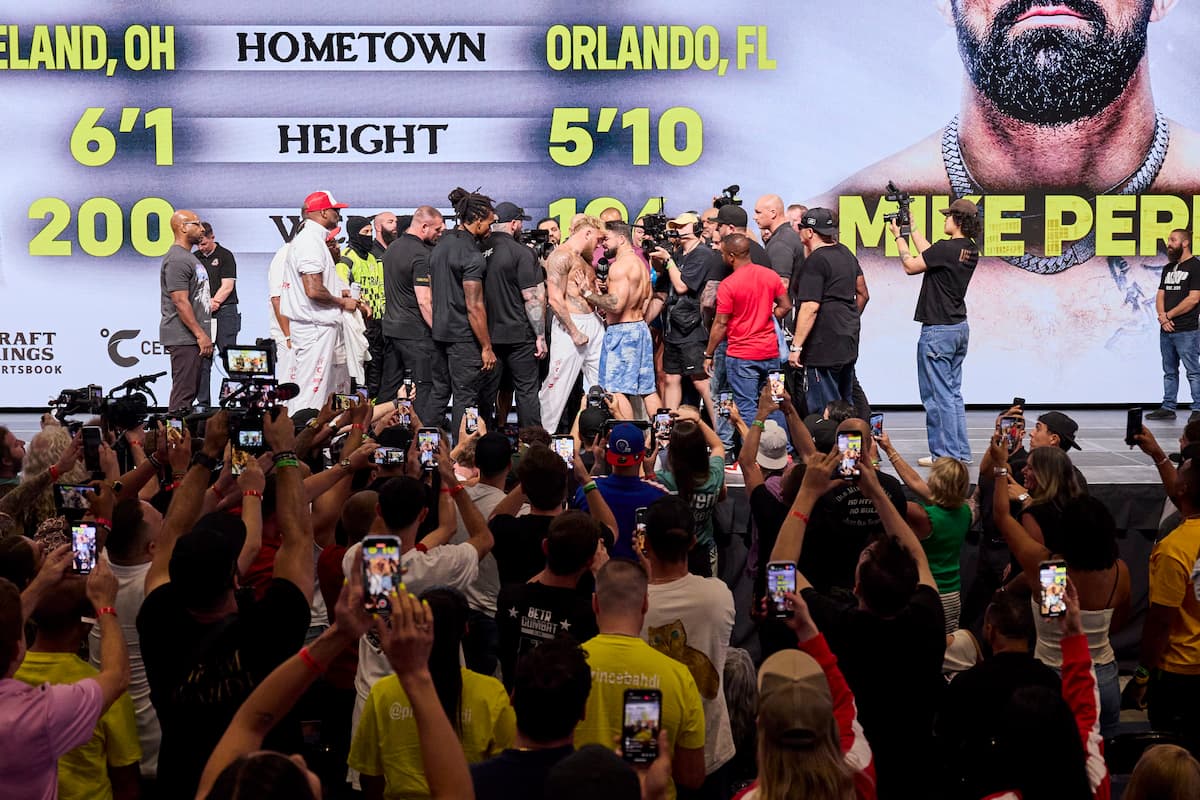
column 186, row 307
column 620, row 659
column 708, row 223
column 748, row 303
column 408, row 312
column 783, row 243
column 386, row 231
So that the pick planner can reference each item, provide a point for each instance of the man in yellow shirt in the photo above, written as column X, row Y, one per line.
column 620, row 659
column 106, row 766
column 1171, row 635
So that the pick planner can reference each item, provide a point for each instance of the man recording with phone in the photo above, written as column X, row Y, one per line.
column 946, row 269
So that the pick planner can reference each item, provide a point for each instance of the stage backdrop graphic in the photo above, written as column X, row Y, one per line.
column 115, row 115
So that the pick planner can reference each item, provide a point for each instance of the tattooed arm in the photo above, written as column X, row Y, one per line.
column 535, row 311
column 558, row 270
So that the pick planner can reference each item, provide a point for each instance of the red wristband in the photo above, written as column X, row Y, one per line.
column 420, row 547
column 311, row 662
column 357, row 427
column 54, row 474
column 800, row 515
column 455, row 489
column 102, row 522
column 252, row 493
column 170, row 487
column 100, row 612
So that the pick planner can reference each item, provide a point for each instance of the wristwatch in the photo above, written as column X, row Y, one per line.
column 1022, row 497
column 345, row 464
column 708, row 356
column 999, row 471
column 205, row 460
column 796, row 348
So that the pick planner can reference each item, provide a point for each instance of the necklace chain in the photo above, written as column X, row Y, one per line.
column 962, row 183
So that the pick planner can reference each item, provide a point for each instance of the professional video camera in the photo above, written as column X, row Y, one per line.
column 729, row 196
column 903, row 217
column 251, row 392
column 538, row 240
column 120, row 412
column 657, row 232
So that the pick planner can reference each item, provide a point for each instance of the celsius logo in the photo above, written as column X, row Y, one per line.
column 114, row 340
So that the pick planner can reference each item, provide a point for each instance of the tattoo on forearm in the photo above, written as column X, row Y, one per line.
column 606, row 302
column 535, row 309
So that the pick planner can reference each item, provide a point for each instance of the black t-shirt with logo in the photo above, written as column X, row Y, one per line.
column 842, row 523
column 528, row 614
column 455, row 259
column 405, row 266
column 511, row 268
column 949, row 266
column 220, row 264
column 1177, row 280
column 829, row 277
column 682, row 313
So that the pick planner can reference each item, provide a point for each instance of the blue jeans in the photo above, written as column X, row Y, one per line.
column 1180, row 346
column 1108, row 686
column 823, row 385
column 941, row 350
column 746, row 380
column 720, row 383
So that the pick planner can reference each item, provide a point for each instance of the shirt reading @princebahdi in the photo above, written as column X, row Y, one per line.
column 385, row 742
column 627, row 662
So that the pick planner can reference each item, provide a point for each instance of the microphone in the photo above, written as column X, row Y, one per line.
column 286, row 391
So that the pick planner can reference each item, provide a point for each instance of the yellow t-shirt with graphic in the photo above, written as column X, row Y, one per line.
column 1171, row 563
column 627, row 662
column 83, row 772
column 386, row 742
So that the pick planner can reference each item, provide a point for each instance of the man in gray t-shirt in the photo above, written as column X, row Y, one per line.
column 185, row 302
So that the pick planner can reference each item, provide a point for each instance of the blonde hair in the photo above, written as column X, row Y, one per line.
column 45, row 449
column 580, row 221
column 817, row 773
column 1164, row 772
column 948, row 483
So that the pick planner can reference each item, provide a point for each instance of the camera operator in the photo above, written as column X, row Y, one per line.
column 550, row 225
column 186, row 311
column 515, row 295
column 947, row 268
column 627, row 360
column 681, row 282
column 408, row 311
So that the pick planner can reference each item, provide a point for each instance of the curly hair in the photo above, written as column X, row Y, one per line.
column 45, row 450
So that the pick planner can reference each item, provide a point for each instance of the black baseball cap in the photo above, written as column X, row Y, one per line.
column 820, row 220
column 507, row 212
column 1061, row 425
column 732, row 215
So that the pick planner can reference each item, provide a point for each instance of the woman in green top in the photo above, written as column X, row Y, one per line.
column 696, row 472
column 941, row 521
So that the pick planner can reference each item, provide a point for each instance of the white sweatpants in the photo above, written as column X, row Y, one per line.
column 283, row 360
column 565, row 362
column 313, row 370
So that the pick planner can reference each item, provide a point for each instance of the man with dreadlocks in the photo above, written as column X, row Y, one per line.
column 460, row 327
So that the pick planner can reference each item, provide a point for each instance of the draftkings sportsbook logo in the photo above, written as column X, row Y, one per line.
column 147, row 347
column 27, row 353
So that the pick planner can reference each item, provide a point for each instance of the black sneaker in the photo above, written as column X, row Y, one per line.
column 1195, row 415
column 1161, row 413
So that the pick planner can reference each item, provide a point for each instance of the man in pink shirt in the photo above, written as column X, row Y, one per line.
column 748, row 301
column 40, row 723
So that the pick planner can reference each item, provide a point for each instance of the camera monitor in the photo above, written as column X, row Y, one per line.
column 249, row 361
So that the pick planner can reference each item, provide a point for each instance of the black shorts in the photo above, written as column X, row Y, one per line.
column 684, row 359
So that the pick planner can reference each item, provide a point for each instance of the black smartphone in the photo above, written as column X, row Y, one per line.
column 73, row 498
column 512, row 432
column 781, row 579
column 342, row 402
column 564, row 445
column 662, row 424
column 849, row 444
column 639, row 529
column 724, row 401
column 471, row 417
column 92, row 438
column 641, row 724
column 429, row 442
column 1053, row 578
column 251, row 440
column 388, row 456
column 1012, row 430
column 1133, row 425
column 775, row 379
column 408, row 388
column 1019, row 402
column 404, row 412
column 381, row 572
column 83, row 548
column 877, row 425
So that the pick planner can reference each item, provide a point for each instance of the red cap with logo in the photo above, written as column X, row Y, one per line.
column 321, row 200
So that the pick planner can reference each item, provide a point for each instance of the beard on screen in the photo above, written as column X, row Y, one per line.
column 1052, row 76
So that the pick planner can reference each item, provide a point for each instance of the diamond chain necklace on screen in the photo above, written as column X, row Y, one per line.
column 963, row 183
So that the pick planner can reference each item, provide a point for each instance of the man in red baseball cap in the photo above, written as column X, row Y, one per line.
column 313, row 299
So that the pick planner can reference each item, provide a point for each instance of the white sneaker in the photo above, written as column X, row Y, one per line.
column 926, row 461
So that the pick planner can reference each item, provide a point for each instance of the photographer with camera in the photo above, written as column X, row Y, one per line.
column 947, row 268
column 515, row 296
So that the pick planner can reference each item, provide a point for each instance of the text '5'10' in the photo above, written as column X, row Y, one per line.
column 680, row 134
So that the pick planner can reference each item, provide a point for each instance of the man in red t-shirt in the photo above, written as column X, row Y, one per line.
column 748, row 301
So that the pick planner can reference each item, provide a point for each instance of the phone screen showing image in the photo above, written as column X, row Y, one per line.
column 724, row 401
column 1053, row 575
column 1012, row 430
column 877, row 425
column 849, row 444
column 381, row 572
column 775, row 379
column 251, row 441
column 640, row 726
column 404, row 413
column 73, row 499
column 471, row 415
column 83, row 548
column 781, row 579
column 565, row 447
column 662, row 424
column 388, row 456
column 429, row 441
column 238, row 460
